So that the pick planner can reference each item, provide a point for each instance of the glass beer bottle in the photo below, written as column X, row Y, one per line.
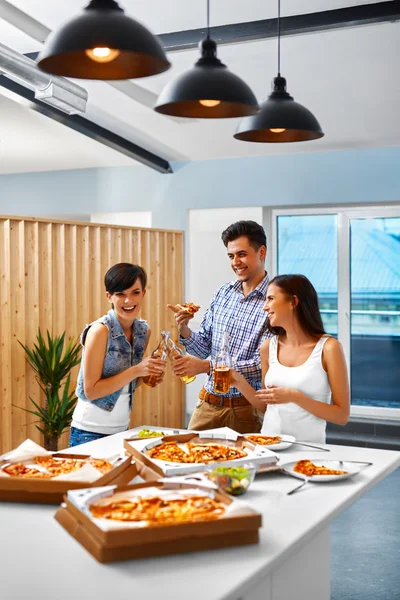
column 175, row 352
column 159, row 352
column 223, row 362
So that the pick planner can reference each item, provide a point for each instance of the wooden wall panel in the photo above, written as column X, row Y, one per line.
column 51, row 276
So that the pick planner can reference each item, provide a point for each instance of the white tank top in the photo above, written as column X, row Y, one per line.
column 310, row 379
column 90, row 417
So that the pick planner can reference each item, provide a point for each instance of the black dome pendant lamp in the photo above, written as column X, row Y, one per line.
column 103, row 43
column 280, row 119
column 208, row 90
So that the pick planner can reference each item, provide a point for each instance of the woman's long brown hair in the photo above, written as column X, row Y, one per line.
column 307, row 310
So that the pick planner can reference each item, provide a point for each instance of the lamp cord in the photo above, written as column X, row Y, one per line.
column 208, row 19
column 279, row 38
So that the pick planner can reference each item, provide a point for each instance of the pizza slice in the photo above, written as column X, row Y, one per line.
column 306, row 467
column 189, row 307
column 264, row 440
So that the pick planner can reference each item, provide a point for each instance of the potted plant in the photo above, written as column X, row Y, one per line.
column 52, row 366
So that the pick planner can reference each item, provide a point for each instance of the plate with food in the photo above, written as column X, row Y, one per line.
column 322, row 471
column 273, row 442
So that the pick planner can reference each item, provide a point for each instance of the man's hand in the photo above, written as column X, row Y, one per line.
column 190, row 365
column 182, row 317
column 276, row 395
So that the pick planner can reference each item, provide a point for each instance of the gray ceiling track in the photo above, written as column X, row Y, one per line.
column 352, row 16
column 90, row 129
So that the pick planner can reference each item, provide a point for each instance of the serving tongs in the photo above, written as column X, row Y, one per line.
column 311, row 446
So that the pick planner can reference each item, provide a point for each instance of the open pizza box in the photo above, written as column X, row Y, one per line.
column 111, row 540
column 51, row 491
column 151, row 469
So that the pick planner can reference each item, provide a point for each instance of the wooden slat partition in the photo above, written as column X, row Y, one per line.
column 51, row 276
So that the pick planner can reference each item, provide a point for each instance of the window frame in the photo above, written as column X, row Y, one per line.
column 344, row 215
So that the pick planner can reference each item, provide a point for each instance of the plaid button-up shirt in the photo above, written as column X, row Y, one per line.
column 244, row 319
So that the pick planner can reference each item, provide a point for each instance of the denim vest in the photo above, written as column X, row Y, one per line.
column 120, row 355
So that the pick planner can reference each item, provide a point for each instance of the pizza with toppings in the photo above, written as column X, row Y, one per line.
column 20, row 470
column 189, row 307
column 264, row 440
column 196, row 453
column 306, row 467
column 54, row 467
column 156, row 510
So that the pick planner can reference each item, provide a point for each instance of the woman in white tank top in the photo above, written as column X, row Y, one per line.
column 304, row 372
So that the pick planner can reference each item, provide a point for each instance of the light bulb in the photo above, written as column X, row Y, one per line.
column 209, row 103
column 277, row 130
column 102, row 55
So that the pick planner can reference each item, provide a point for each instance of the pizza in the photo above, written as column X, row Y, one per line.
column 55, row 467
column 197, row 453
column 306, row 467
column 20, row 470
column 59, row 466
column 189, row 307
column 156, row 510
column 264, row 440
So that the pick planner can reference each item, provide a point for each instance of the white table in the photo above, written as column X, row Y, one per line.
column 40, row 560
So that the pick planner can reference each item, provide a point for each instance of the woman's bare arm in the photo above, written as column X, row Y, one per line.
column 95, row 349
column 240, row 383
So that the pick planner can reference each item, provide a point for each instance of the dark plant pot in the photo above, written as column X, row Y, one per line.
column 51, row 443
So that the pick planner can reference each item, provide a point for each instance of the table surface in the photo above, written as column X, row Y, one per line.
column 39, row 557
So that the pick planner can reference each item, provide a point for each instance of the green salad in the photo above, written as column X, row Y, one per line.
column 144, row 433
column 234, row 480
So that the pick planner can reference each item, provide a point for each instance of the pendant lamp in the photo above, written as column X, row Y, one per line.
column 208, row 90
column 103, row 43
column 280, row 119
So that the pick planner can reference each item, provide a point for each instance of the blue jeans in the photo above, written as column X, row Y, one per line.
column 80, row 436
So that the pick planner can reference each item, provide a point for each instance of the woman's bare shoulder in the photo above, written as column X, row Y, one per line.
column 264, row 348
column 97, row 333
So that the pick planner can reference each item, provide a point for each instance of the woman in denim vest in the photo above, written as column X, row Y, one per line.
column 112, row 359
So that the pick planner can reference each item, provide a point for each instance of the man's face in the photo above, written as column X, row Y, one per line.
column 246, row 262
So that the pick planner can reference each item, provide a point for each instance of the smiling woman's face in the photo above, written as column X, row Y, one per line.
column 128, row 302
column 278, row 305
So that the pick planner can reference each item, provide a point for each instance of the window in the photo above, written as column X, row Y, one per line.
column 307, row 244
column 352, row 257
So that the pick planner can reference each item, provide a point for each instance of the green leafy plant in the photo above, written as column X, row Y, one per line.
column 52, row 365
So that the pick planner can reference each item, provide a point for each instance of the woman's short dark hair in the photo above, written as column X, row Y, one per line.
column 307, row 310
column 122, row 276
column 253, row 231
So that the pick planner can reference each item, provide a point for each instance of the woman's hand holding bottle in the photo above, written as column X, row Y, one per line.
column 151, row 366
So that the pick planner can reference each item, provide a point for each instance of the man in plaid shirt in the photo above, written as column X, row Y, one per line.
column 237, row 307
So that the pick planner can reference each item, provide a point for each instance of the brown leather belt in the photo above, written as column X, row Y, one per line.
column 222, row 400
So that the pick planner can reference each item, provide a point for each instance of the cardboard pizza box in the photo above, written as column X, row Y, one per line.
column 144, row 542
column 150, row 468
column 48, row 491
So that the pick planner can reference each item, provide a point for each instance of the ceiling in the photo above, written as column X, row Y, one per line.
column 349, row 78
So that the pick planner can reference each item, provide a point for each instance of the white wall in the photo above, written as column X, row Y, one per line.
column 134, row 219
column 207, row 265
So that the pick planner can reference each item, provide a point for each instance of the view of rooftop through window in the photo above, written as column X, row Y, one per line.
column 308, row 244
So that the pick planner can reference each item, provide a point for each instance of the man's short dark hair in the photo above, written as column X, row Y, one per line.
column 253, row 231
column 122, row 276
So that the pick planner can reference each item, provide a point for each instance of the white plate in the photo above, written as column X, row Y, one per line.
column 286, row 442
column 351, row 469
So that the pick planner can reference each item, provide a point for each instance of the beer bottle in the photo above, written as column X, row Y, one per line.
column 159, row 352
column 223, row 362
column 175, row 351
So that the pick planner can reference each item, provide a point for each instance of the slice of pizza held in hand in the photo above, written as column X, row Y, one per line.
column 189, row 307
